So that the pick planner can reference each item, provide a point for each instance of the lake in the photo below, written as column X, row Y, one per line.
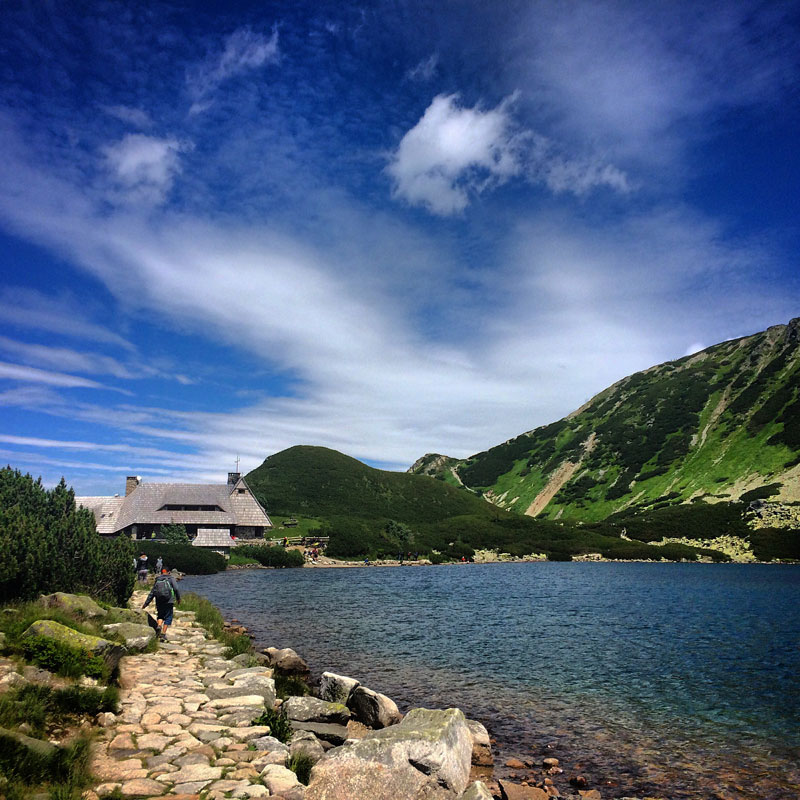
column 650, row 679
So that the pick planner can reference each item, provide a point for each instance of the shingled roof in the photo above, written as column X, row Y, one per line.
column 231, row 505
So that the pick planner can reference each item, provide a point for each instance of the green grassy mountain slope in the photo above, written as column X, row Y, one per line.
column 714, row 426
column 373, row 512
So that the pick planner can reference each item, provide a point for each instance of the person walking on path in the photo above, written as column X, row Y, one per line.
column 159, row 565
column 166, row 594
column 141, row 567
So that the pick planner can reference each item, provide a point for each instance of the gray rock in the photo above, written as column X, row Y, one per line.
column 38, row 749
column 328, row 732
column 481, row 744
column 279, row 780
column 110, row 652
column 336, row 688
column 135, row 637
column 243, row 658
column 79, row 604
column 477, row 791
column 286, row 660
column 135, row 615
column 373, row 709
column 305, row 743
column 425, row 756
column 13, row 680
column 240, row 671
column 37, row 674
column 269, row 744
column 310, row 709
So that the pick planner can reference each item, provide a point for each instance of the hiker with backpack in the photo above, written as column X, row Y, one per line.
column 166, row 594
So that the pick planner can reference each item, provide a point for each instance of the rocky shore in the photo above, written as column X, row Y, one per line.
column 191, row 725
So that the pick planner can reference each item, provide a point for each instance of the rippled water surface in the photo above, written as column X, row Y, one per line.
column 679, row 680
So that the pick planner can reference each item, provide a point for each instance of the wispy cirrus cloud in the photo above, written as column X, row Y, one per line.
column 30, row 309
column 244, row 50
column 23, row 374
column 425, row 69
column 130, row 115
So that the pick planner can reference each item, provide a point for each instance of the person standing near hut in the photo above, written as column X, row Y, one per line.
column 141, row 567
column 166, row 594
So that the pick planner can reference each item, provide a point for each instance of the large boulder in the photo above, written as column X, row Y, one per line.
column 137, row 615
column 373, row 709
column 310, row 709
column 305, row 743
column 286, row 660
column 424, row 757
column 135, row 637
column 78, row 604
column 481, row 744
column 336, row 688
column 279, row 780
column 110, row 652
column 326, row 731
column 265, row 687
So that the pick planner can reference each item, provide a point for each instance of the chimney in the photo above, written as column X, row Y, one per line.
column 131, row 482
column 233, row 478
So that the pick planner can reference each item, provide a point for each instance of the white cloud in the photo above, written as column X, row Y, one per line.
column 453, row 152
column 244, row 50
column 144, row 167
column 133, row 116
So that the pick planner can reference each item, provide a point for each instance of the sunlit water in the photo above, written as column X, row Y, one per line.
column 678, row 680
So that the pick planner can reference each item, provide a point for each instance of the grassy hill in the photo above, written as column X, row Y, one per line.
column 373, row 512
column 720, row 425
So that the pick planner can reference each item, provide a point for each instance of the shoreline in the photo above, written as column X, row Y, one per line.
column 596, row 763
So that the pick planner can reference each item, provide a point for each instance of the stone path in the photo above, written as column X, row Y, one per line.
column 185, row 723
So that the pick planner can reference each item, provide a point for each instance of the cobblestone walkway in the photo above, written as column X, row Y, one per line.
column 184, row 723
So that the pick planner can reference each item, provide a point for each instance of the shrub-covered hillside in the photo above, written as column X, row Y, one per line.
column 372, row 512
column 715, row 425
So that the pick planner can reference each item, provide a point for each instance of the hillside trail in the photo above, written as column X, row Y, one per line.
column 170, row 739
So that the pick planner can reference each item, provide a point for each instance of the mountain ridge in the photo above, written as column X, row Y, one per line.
column 713, row 425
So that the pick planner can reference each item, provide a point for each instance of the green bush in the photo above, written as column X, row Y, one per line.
column 36, row 704
column 174, row 534
column 185, row 558
column 271, row 555
column 58, row 657
column 278, row 722
column 67, row 764
column 290, row 686
column 301, row 764
column 50, row 545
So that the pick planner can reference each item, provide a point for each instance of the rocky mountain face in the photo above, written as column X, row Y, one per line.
column 720, row 425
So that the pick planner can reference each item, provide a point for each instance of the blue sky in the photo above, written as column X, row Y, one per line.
column 386, row 228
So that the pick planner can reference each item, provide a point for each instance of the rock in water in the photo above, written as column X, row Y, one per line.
column 424, row 757
column 477, row 791
column 373, row 709
column 481, row 744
